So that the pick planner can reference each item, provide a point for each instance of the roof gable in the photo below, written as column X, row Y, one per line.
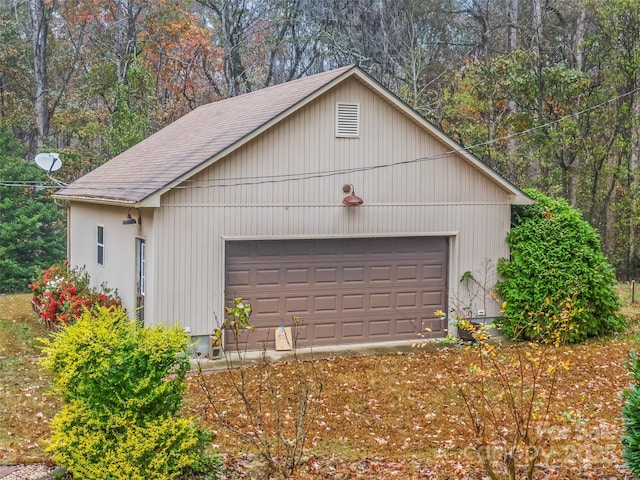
column 184, row 145
column 142, row 173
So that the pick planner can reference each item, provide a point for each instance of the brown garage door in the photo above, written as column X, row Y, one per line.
column 346, row 291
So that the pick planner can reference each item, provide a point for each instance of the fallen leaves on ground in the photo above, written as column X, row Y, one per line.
column 396, row 416
column 25, row 406
column 378, row 417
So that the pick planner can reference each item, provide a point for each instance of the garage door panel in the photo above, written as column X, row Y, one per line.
column 239, row 249
column 267, row 277
column 264, row 305
column 300, row 248
column 269, row 248
column 434, row 326
column 432, row 299
column 353, row 247
column 353, row 302
column 295, row 305
column 379, row 300
column 353, row 274
column 297, row 275
column 407, row 272
column 324, row 331
column 250, row 340
column 326, row 303
column 324, row 249
column 348, row 290
column 408, row 326
column 301, row 333
column 381, row 273
column 353, row 329
column 326, row 275
column 378, row 328
column 407, row 300
column 235, row 278
column 432, row 271
column 407, row 245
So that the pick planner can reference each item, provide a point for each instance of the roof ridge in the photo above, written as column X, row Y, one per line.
column 329, row 73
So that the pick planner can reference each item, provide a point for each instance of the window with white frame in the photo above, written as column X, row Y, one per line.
column 141, row 266
column 100, row 251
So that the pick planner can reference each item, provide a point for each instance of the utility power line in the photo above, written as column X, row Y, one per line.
column 281, row 178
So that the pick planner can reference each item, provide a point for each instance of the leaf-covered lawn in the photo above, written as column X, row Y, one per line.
column 25, row 408
column 396, row 416
column 384, row 417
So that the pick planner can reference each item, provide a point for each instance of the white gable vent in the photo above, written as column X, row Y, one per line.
column 348, row 120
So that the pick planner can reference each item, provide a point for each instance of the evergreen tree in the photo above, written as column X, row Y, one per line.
column 556, row 257
column 32, row 226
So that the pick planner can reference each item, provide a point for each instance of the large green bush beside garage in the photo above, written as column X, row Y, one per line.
column 555, row 256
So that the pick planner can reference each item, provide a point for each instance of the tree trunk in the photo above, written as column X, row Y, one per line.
column 40, row 16
column 512, row 41
column 512, row 29
column 536, row 20
column 578, row 58
column 535, row 169
column 634, row 169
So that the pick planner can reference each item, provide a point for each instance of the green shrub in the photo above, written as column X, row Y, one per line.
column 631, row 417
column 556, row 255
column 122, row 385
column 94, row 447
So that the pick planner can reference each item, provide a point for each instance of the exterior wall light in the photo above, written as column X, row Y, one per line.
column 130, row 220
column 351, row 200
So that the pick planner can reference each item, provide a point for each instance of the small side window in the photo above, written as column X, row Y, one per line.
column 100, row 257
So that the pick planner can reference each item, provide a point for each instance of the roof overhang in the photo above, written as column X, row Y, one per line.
column 103, row 201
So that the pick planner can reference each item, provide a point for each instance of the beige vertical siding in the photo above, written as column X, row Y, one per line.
column 119, row 249
column 432, row 193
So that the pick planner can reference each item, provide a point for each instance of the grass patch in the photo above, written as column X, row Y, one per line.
column 25, row 407
column 630, row 309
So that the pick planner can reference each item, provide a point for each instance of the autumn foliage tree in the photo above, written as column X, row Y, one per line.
column 546, row 93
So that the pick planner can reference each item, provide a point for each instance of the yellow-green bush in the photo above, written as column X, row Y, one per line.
column 94, row 447
column 122, row 385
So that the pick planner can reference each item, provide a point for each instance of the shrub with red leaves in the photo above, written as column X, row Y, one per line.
column 62, row 294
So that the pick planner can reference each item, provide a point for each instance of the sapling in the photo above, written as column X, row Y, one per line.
column 277, row 413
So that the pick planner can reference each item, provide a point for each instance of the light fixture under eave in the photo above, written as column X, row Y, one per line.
column 351, row 200
column 129, row 220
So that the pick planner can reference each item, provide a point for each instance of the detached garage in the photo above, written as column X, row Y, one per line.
column 254, row 197
column 347, row 291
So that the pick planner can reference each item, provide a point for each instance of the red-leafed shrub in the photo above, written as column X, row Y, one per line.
column 62, row 294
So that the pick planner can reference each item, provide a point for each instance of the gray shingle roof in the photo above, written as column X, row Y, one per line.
column 184, row 145
column 189, row 144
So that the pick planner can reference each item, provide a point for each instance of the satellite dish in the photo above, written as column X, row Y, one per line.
column 49, row 162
